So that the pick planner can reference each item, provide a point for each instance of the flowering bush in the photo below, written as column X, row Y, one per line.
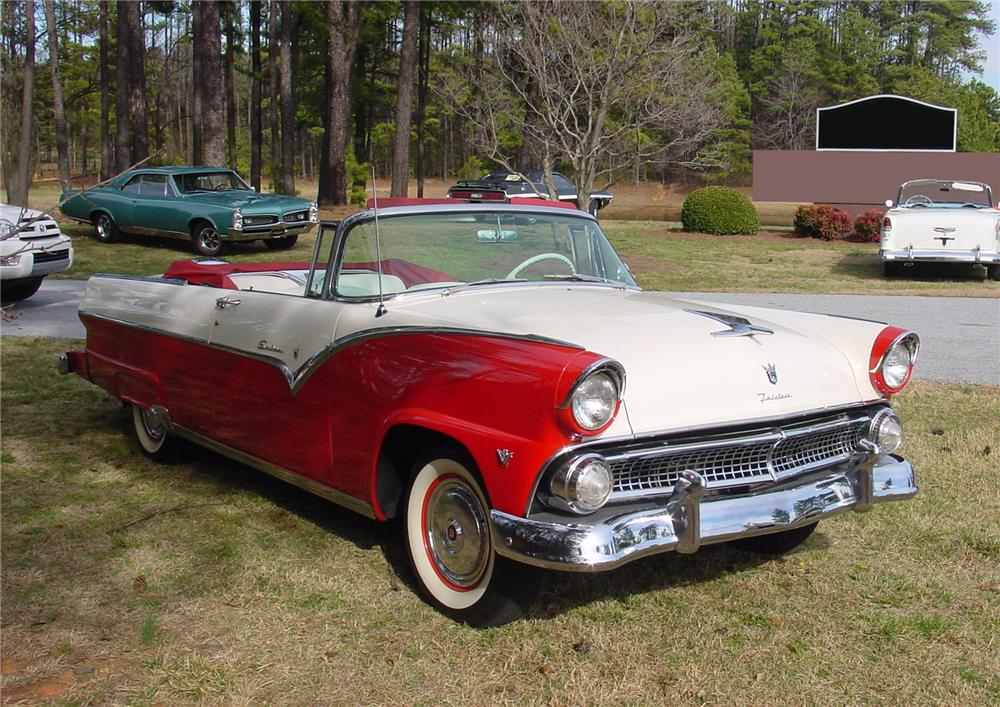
column 822, row 221
column 868, row 225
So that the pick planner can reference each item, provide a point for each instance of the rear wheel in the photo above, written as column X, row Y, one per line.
column 154, row 439
column 281, row 242
column 448, row 542
column 105, row 228
column 776, row 543
column 890, row 268
column 207, row 240
column 993, row 272
column 20, row 289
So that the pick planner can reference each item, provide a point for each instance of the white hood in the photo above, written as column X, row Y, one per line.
column 678, row 373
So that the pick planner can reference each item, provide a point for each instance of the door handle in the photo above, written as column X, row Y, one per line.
column 224, row 302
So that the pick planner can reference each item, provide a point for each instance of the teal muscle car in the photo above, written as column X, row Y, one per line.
column 212, row 206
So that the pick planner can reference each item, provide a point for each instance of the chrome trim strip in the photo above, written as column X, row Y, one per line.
column 939, row 256
column 296, row 379
column 322, row 490
column 687, row 520
column 901, row 337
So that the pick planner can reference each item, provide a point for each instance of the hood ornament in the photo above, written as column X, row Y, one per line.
column 738, row 326
column 772, row 373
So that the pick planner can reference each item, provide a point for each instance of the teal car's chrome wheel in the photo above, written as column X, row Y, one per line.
column 208, row 241
column 105, row 229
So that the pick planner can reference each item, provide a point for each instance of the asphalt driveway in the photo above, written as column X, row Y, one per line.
column 960, row 336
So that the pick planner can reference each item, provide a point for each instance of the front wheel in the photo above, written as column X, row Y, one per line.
column 105, row 228
column 208, row 241
column 281, row 242
column 20, row 289
column 446, row 529
column 777, row 543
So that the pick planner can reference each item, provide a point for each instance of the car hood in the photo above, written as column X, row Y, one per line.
column 678, row 374
column 14, row 214
column 251, row 202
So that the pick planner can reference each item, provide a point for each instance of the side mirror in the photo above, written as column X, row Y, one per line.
column 888, row 203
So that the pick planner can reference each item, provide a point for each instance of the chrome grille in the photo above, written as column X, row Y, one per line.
column 750, row 459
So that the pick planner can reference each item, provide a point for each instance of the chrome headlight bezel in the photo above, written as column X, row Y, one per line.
column 572, row 490
column 886, row 430
column 238, row 220
column 313, row 212
column 601, row 384
column 907, row 346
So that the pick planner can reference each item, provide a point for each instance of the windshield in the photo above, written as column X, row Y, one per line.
column 209, row 181
column 943, row 194
column 428, row 251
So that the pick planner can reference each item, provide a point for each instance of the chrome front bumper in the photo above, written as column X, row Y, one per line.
column 913, row 255
column 270, row 230
column 690, row 518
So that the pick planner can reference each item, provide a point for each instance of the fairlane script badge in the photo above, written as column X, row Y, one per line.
column 768, row 397
column 264, row 346
column 772, row 373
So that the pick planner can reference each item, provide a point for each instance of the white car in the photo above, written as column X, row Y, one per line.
column 941, row 221
column 31, row 247
column 492, row 376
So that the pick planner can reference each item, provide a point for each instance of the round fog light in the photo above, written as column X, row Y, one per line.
column 887, row 432
column 585, row 484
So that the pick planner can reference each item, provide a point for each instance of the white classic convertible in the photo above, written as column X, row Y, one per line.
column 941, row 221
column 491, row 375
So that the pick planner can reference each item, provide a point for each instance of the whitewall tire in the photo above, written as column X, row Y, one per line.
column 153, row 436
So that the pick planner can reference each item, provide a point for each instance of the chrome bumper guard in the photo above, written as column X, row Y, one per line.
column 690, row 519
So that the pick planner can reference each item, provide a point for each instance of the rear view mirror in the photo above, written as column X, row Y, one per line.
column 495, row 236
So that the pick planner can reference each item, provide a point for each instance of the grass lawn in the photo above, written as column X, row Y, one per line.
column 205, row 581
column 661, row 258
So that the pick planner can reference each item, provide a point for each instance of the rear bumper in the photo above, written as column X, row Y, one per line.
column 912, row 255
column 689, row 519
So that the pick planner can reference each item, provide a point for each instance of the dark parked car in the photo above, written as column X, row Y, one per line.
column 515, row 184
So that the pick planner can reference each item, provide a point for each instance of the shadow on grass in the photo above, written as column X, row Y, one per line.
column 869, row 267
column 182, row 246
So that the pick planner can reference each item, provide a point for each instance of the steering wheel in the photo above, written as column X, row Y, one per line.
column 918, row 200
column 537, row 258
column 222, row 187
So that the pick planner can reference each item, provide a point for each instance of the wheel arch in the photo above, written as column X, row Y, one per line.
column 400, row 447
column 194, row 222
column 100, row 210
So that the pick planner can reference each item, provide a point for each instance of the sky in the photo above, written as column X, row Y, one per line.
column 991, row 67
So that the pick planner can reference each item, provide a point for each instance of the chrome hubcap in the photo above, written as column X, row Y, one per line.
column 153, row 425
column 210, row 238
column 102, row 227
column 457, row 533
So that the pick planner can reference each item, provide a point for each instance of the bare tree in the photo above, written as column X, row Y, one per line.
column 344, row 21
column 273, row 69
column 123, row 148
column 604, row 86
column 208, row 83
column 58, row 114
column 232, row 107
column 136, row 80
column 106, row 149
column 18, row 178
column 404, row 99
column 289, row 16
column 256, row 131
column 787, row 120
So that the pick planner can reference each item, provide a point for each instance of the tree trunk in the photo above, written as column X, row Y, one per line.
column 105, row 74
column 256, row 133
column 424, row 54
column 272, row 58
column 288, row 22
column 58, row 114
column 208, row 82
column 232, row 107
column 122, row 133
column 19, row 178
column 404, row 99
column 344, row 20
column 136, row 82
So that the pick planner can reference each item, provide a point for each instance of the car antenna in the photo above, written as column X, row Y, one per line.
column 378, row 250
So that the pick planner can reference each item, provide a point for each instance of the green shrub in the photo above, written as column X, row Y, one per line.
column 868, row 225
column 719, row 210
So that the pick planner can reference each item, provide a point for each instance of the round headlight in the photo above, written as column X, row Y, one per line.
column 886, row 431
column 584, row 484
column 897, row 363
column 237, row 219
column 594, row 401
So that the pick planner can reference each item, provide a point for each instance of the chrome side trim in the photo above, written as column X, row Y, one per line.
column 322, row 490
column 296, row 379
column 687, row 520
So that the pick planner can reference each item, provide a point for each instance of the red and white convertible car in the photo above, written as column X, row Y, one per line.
column 492, row 376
